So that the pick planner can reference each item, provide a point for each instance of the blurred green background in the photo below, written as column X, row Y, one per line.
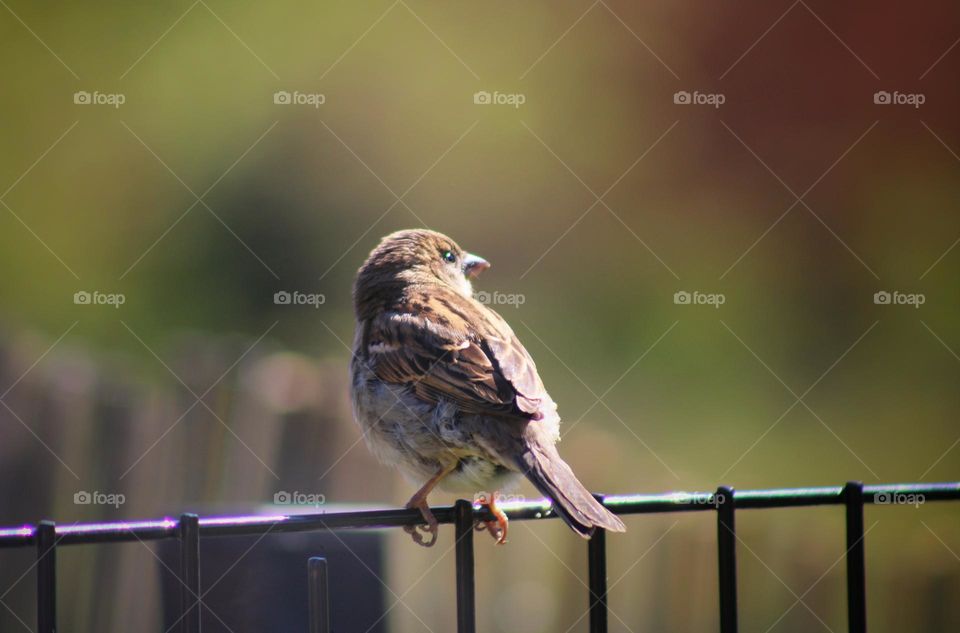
column 596, row 200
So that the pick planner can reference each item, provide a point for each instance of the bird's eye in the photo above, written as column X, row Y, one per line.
column 449, row 257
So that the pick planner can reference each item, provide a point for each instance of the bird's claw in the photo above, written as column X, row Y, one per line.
column 418, row 538
column 498, row 526
column 496, row 530
column 431, row 527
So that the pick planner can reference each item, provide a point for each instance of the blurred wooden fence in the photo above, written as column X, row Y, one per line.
column 145, row 437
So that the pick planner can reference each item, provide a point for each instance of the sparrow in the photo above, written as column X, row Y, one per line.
column 443, row 389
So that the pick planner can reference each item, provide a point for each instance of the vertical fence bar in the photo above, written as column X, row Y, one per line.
column 856, row 559
column 727, row 559
column 597, row 564
column 318, row 595
column 46, row 577
column 466, row 596
column 190, row 573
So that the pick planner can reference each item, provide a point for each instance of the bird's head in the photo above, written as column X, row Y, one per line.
column 417, row 257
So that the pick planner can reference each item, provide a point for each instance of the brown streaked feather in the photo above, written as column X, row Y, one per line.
column 472, row 358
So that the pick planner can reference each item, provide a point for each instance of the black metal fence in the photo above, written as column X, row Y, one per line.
column 189, row 528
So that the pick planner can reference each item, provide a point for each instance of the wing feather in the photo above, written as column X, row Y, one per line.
column 447, row 346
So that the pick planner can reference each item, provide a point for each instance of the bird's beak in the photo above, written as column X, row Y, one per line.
column 473, row 265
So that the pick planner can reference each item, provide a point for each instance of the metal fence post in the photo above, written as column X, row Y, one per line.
column 46, row 577
column 318, row 594
column 856, row 559
column 597, row 564
column 727, row 559
column 190, row 573
column 466, row 596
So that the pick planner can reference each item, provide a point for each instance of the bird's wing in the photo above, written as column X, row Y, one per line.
column 447, row 346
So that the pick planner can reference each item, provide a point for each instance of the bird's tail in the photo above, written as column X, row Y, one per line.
column 576, row 506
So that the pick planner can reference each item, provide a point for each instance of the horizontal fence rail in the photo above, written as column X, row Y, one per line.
column 46, row 537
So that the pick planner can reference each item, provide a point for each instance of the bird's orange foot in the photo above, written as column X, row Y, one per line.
column 432, row 526
column 497, row 527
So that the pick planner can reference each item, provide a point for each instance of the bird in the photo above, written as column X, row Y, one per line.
column 443, row 389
